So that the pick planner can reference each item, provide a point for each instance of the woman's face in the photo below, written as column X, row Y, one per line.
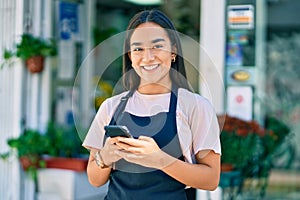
column 151, row 54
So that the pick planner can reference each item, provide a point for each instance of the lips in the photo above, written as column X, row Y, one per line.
column 150, row 67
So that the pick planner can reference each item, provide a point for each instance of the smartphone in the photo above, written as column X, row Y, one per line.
column 117, row 130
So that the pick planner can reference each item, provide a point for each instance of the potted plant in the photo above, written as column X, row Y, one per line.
column 239, row 140
column 59, row 147
column 270, row 142
column 245, row 142
column 65, row 150
column 30, row 146
column 32, row 50
column 250, row 148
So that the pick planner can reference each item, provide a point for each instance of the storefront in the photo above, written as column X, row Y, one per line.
column 228, row 68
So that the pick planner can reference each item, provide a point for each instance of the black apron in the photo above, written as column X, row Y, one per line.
column 129, row 181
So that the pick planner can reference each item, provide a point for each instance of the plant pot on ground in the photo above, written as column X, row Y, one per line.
column 66, row 151
column 226, row 167
column 75, row 164
column 29, row 162
column 29, row 146
column 54, row 149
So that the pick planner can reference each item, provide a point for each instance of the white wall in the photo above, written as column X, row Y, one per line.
column 212, row 40
column 24, row 98
column 11, row 80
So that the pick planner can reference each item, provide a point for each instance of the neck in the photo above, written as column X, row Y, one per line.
column 155, row 88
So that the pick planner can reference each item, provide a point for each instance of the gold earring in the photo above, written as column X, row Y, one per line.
column 174, row 59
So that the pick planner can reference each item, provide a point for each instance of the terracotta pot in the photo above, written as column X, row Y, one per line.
column 226, row 167
column 29, row 161
column 76, row 164
column 35, row 64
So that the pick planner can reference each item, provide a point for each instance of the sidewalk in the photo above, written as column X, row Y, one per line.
column 283, row 185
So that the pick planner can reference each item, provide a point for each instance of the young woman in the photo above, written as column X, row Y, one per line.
column 175, row 142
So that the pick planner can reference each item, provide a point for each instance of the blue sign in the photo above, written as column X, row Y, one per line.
column 68, row 20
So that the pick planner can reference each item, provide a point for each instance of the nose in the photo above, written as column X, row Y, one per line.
column 148, row 54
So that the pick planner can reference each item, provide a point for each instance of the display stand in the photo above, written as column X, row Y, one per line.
column 62, row 184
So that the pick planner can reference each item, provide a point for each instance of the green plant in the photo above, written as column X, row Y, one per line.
column 29, row 146
column 31, row 142
column 32, row 46
column 64, row 141
column 32, row 146
column 29, row 47
column 239, row 140
column 270, row 142
column 250, row 147
column 99, row 35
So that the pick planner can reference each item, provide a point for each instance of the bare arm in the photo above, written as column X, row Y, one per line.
column 144, row 151
column 99, row 176
column 203, row 175
column 96, row 175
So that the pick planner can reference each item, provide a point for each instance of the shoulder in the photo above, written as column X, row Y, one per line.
column 110, row 104
column 115, row 99
column 193, row 105
column 189, row 98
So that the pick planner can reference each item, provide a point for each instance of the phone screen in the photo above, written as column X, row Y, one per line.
column 116, row 130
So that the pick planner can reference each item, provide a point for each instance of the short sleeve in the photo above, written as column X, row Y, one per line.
column 205, row 127
column 95, row 134
column 197, row 124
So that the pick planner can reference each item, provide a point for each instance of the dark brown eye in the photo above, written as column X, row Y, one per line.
column 158, row 46
column 138, row 49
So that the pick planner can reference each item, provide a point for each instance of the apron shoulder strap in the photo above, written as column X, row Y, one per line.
column 120, row 107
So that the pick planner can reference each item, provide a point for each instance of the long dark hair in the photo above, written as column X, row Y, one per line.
column 131, row 80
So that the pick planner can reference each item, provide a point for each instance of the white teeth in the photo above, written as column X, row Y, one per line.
column 151, row 67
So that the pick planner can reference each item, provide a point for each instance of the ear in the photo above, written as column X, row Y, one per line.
column 174, row 49
column 129, row 55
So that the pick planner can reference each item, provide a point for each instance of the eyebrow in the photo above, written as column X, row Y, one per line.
column 153, row 42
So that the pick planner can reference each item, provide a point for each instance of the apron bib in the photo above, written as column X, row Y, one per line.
column 129, row 181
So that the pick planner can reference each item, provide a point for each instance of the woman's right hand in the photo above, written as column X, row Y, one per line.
column 108, row 152
column 97, row 175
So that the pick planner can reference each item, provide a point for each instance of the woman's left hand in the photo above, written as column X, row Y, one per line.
column 143, row 151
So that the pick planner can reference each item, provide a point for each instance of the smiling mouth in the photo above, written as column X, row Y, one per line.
column 150, row 67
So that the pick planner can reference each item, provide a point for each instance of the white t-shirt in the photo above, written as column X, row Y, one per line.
column 196, row 120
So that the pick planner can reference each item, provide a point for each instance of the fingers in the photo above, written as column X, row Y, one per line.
column 157, row 160
column 145, row 138
column 133, row 145
column 142, row 145
column 128, row 141
column 129, row 156
column 112, row 140
column 143, row 151
column 129, row 148
column 140, row 142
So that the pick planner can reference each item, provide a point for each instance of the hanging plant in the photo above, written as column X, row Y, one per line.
column 32, row 50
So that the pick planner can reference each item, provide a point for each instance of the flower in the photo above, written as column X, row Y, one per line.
column 239, row 140
column 247, row 144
